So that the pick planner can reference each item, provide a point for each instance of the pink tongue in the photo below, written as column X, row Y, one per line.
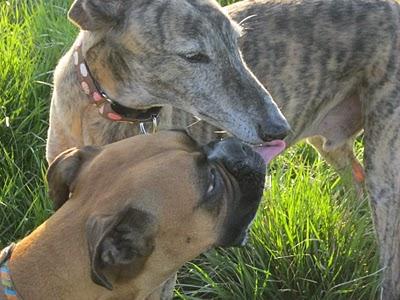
column 271, row 149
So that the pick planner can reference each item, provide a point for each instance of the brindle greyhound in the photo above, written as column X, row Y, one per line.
column 146, row 54
column 331, row 65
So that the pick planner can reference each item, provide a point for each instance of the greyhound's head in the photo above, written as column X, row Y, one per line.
column 182, row 53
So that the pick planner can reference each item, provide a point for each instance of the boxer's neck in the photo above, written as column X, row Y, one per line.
column 48, row 263
column 53, row 262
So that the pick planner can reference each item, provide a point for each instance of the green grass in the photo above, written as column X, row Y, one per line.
column 311, row 239
column 32, row 37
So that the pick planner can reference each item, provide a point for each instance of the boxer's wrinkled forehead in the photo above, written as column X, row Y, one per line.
column 145, row 146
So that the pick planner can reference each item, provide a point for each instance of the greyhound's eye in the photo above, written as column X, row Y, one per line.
column 196, row 57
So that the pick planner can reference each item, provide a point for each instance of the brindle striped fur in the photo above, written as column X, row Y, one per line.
column 139, row 51
column 333, row 67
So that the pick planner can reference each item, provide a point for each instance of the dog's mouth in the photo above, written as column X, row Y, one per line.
column 143, row 115
column 270, row 150
column 244, row 181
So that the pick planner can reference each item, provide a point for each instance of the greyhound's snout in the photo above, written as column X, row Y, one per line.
column 265, row 121
column 269, row 133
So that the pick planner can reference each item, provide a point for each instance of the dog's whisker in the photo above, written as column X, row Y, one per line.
column 194, row 123
column 245, row 19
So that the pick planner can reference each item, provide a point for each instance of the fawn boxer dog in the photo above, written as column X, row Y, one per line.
column 129, row 214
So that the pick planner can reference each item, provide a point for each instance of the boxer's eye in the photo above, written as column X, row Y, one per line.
column 213, row 191
column 212, row 181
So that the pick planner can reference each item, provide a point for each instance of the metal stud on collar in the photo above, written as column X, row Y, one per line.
column 142, row 128
column 153, row 129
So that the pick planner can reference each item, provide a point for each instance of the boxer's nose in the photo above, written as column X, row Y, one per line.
column 234, row 154
column 248, row 169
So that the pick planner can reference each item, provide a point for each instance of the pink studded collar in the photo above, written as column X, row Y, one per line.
column 108, row 108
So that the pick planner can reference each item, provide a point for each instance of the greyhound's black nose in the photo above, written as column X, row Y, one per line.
column 276, row 132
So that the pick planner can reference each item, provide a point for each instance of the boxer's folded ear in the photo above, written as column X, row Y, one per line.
column 119, row 244
column 64, row 170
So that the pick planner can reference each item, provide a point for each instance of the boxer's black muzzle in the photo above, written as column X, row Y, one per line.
column 245, row 181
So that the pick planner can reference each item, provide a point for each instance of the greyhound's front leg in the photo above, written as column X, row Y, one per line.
column 382, row 164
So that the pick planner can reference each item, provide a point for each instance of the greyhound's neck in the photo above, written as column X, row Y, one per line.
column 66, row 83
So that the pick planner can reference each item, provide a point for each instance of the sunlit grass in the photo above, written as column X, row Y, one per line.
column 311, row 240
column 32, row 38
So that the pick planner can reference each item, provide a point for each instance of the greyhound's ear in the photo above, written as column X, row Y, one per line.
column 119, row 244
column 63, row 171
column 95, row 14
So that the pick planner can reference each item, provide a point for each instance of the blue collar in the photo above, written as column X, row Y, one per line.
column 6, row 285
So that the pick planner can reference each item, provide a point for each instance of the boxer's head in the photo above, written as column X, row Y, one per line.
column 154, row 202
